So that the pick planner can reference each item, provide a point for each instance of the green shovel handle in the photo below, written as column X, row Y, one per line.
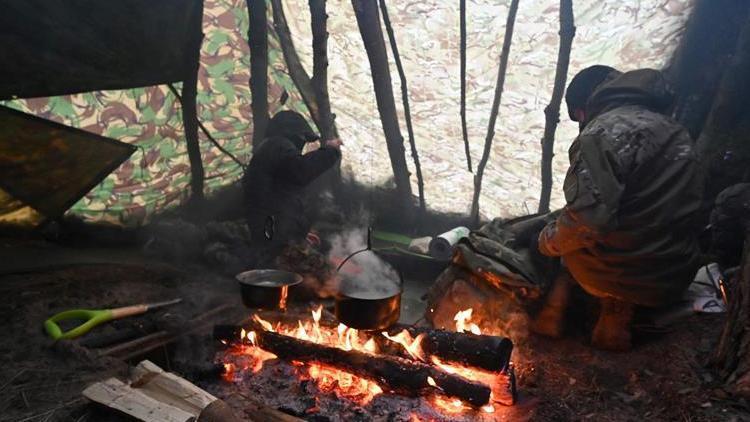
column 92, row 317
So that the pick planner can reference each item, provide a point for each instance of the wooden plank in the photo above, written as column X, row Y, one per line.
column 169, row 388
column 115, row 394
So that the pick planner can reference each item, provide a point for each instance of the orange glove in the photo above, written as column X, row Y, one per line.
column 547, row 240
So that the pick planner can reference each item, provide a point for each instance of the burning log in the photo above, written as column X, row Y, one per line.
column 490, row 353
column 395, row 374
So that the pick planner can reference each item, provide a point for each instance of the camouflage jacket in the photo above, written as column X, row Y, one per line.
column 633, row 190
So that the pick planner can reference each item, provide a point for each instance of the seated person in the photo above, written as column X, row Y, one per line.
column 274, row 187
column 628, row 233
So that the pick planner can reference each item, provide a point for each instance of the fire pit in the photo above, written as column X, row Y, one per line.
column 313, row 367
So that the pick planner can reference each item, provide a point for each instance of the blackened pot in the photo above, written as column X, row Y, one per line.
column 266, row 289
column 369, row 310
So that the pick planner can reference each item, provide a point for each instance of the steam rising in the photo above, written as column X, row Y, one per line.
column 365, row 275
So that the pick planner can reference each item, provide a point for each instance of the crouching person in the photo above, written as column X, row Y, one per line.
column 627, row 234
column 274, row 185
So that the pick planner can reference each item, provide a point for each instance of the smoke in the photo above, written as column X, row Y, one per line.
column 364, row 275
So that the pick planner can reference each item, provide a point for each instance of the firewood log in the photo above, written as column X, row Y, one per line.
column 402, row 376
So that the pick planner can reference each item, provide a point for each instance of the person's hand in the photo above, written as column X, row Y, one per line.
column 313, row 238
column 333, row 143
column 545, row 239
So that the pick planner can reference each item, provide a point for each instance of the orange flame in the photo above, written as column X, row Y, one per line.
column 413, row 346
column 463, row 322
column 265, row 324
column 346, row 384
column 327, row 378
column 370, row 346
column 284, row 295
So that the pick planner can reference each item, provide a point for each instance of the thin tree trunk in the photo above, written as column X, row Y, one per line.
column 462, row 48
column 552, row 111
column 257, row 36
column 495, row 107
column 190, row 121
column 405, row 100
column 296, row 71
column 318, row 18
column 326, row 119
column 368, row 20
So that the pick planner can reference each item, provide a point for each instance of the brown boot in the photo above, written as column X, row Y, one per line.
column 612, row 331
column 550, row 321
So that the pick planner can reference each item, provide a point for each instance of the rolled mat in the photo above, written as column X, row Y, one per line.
column 441, row 247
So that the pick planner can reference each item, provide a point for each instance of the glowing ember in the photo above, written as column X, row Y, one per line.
column 412, row 345
column 431, row 382
column 343, row 384
column 228, row 372
column 450, row 405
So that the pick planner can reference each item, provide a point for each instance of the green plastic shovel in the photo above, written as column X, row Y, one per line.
column 94, row 317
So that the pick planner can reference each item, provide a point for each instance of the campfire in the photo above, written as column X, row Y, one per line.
column 437, row 372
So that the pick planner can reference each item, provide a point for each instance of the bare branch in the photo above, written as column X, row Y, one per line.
column 552, row 111
column 405, row 100
column 495, row 107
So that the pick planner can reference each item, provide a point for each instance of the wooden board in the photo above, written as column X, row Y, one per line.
column 117, row 395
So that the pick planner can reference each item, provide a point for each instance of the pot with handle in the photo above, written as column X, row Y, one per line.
column 365, row 308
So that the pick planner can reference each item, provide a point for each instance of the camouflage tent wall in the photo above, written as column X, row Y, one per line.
column 622, row 34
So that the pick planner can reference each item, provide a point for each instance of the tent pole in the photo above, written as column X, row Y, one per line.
column 257, row 37
column 552, row 111
column 368, row 20
column 190, row 121
column 504, row 54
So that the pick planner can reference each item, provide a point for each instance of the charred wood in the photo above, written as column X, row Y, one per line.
column 490, row 353
column 395, row 374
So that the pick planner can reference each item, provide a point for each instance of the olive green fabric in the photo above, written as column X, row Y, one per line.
column 47, row 166
column 632, row 190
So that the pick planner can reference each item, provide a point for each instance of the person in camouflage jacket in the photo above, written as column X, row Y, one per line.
column 627, row 234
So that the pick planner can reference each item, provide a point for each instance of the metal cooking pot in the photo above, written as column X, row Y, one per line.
column 368, row 311
column 266, row 289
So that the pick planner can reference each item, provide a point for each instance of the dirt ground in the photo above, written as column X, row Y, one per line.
column 663, row 379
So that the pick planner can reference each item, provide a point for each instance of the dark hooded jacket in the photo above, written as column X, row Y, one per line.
column 275, row 180
column 633, row 191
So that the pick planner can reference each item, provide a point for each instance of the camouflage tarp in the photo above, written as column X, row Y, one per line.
column 621, row 34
